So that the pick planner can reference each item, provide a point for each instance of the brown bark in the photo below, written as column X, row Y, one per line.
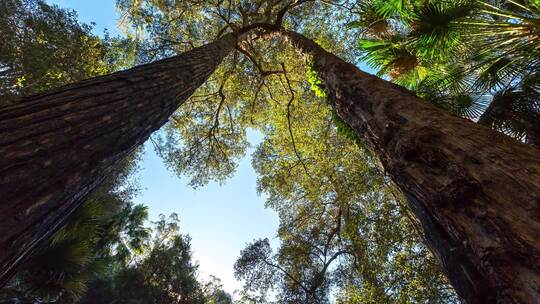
column 475, row 191
column 58, row 146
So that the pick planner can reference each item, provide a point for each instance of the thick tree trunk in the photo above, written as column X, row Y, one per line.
column 475, row 191
column 56, row 147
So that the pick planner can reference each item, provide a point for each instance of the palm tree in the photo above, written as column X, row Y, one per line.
column 477, row 59
column 461, row 179
column 104, row 231
column 28, row 65
column 474, row 190
column 161, row 273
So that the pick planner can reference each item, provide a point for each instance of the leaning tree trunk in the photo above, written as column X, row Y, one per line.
column 475, row 191
column 58, row 146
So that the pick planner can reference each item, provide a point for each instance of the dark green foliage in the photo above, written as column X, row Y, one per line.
column 462, row 55
column 45, row 47
column 214, row 293
column 161, row 273
column 85, row 247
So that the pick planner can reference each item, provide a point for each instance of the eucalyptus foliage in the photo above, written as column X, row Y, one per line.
column 44, row 47
column 344, row 236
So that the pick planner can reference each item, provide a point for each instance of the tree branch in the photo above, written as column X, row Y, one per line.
column 287, row 274
column 289, row 121
column 257, row 64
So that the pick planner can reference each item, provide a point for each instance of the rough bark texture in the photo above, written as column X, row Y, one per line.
column 475, row 191
column 58, row 146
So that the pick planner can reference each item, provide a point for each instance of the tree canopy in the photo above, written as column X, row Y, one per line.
column 162, row 272
column 338, row 212
column 45, row 47
column 477, row 59
column 346, row 234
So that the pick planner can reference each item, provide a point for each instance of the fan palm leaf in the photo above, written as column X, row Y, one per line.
column 462, row 54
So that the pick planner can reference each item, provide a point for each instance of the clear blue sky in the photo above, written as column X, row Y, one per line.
column 219, row 219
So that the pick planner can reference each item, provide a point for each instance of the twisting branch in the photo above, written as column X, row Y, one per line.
column 285, row 9
column 156, row 147
column 285, row 272
column 257, row 64
column 257, row 91
column 270, row 93
column 225, row 18
column 300, row 159
column 338, row 4
column 226, row 76
column 215, row 126
column 335, row 256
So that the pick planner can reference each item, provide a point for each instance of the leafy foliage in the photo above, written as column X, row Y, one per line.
column 161, row 273
column 44, row 47
column 145, row 278
column 206, row 136
column 85, row 247
column 462, row 55
column 343, row 233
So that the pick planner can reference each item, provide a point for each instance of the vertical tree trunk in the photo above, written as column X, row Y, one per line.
column 56, row 147
column 475, row 191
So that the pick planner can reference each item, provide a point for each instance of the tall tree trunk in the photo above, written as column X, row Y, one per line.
column 475, row 191
column 56, row 147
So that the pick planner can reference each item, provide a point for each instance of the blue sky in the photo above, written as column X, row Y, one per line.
column 219, row 219
column 102, row 12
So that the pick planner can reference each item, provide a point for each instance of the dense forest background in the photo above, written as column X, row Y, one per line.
column 346, row 233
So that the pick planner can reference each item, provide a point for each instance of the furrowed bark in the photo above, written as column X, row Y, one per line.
column 475, row 191
column 56, row 147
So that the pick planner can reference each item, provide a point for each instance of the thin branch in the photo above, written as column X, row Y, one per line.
column 287, row 274
column 289, row 121
column 257, row 64
column 215, row 126
column 156, row 147
column 255, row 100
column 285, row 9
